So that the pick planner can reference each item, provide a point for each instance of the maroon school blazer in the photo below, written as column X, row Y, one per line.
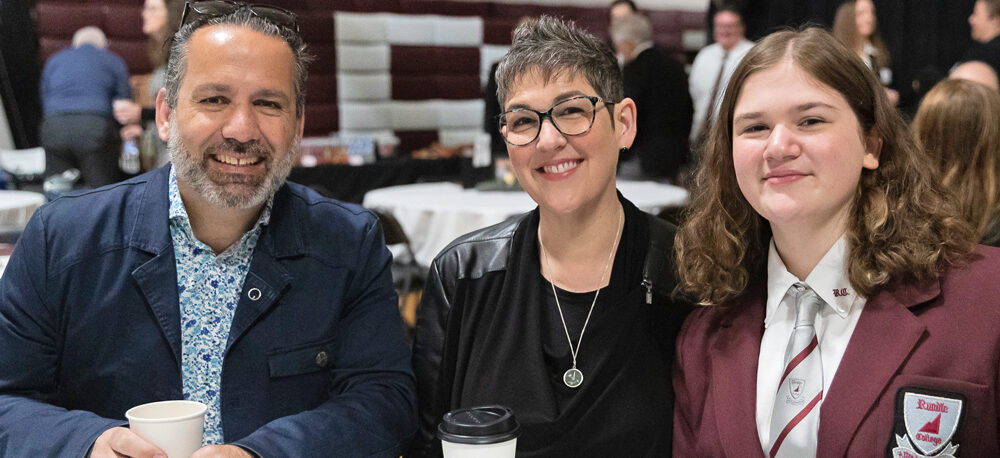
column 938, row 338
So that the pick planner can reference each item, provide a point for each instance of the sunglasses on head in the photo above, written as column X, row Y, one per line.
column 215, row 8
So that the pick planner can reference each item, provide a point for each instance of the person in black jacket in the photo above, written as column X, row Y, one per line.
column 984, row 23
column 562, row 314
column 658, row 85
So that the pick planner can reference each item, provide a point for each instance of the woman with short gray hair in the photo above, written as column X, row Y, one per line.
column 562, row 314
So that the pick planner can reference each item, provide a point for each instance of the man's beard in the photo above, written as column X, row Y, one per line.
column 230, row 190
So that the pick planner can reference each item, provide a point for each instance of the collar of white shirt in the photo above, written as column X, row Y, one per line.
column 834, row 324
column 829, row 279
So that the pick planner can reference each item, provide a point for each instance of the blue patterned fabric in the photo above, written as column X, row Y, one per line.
column 208, row 286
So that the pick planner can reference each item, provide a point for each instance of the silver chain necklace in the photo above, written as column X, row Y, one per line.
column 573, row 377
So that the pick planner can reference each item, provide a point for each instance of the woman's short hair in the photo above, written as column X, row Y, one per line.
column 900, row 225
column 958, row 125
column 554, row 48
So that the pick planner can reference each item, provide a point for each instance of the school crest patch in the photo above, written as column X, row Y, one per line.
column 926, row 423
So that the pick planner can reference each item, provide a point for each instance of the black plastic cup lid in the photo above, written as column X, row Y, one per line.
column 479, row 425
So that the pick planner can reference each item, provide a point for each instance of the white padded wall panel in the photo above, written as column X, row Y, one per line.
column 687, row 5
column 455, row 137
column 360, row 27
column 488, row 55
column 461, row 113
column 365, row 116
column 416, row 115
column 364, row 80
column 413, row 30
column 364, row 86
column 458, row 31
column 363, row 58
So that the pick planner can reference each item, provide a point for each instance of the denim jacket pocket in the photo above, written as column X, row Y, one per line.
column 302, row 360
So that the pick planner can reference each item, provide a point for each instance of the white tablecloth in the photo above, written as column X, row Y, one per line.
column 16, row 207
column 434, row 214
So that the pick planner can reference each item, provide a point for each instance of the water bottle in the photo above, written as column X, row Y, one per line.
column 128, row 161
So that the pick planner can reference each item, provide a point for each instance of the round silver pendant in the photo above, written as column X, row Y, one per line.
column 573, row 377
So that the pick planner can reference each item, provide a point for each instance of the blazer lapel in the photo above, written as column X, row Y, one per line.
column 264, row 284
column 735, row 350
column 267, row 279
column 885, row 336
column 157, row 277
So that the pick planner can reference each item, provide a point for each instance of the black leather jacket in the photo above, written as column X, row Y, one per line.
column 480, row 261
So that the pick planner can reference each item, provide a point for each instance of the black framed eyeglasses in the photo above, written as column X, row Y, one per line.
column 215, row 8
column 573, row 116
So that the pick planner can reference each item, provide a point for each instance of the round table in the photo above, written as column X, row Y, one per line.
column 16, row 208
column 434, row 214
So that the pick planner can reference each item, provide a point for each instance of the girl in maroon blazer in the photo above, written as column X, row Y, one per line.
column 847, row 309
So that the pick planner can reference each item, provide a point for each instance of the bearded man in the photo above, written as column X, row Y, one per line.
column 210, row 279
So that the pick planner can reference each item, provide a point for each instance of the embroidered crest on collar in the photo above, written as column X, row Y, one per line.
column 927, row 422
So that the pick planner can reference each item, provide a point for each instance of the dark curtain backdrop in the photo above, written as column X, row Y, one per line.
column 20, row 71
column 922, row 35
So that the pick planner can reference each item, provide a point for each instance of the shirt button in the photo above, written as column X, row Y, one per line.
column 322, row 359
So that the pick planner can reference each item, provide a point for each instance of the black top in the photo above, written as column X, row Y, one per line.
column 659, row 87
column 988, row 52
column 492, row 336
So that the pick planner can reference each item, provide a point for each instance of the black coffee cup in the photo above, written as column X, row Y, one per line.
column 484, row 431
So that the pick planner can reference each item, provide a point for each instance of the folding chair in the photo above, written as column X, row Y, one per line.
column 408, row 275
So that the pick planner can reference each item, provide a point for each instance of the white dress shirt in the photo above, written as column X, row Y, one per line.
column 834, row 325
column 704, row 71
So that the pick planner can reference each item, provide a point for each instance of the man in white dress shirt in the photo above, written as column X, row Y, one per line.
column 714, row 64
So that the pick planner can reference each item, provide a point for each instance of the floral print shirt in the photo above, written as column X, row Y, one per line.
column 208, row 286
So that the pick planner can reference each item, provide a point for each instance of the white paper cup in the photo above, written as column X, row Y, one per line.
column 176, row 426
column 479, row 432
column 501, row 450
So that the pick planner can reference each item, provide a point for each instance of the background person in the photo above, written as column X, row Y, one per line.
column 621, row 8
column 984, row 24
column 712, row 66
column 210, row 279
column 976, row 71
column 958, row 125
column 77, row 87
column 855, row 26
column 159, row 23
column 658, row 86
column 842, row 289
column 562, row 314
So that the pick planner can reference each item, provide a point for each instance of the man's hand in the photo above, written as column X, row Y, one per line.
column 221, row 451
column 127, row 111
column 118, row 442
column 130, row 132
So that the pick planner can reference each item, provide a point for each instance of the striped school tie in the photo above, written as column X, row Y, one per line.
column 795, row 418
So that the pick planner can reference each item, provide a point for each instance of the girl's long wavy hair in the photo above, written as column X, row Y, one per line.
column 901, row 224
column 845, row 29
column 958, row 126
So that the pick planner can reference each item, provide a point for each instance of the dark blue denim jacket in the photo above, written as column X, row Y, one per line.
column 315, row 364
